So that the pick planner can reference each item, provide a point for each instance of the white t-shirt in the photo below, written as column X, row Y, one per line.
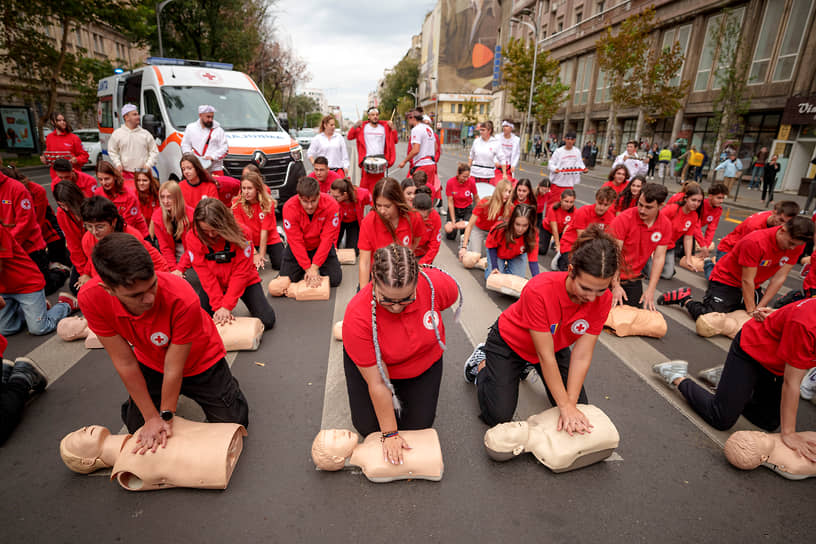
column 562, row 159
column 423, row 135
column 512, row 149
column 486, row 156
column 635, row 166
column 374, row 136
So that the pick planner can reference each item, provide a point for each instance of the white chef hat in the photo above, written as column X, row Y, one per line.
column 127, row 108
column 508, row 124
column 204, row 108
column 426, row 118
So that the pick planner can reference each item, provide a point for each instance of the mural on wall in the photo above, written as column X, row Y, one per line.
column 467, row 43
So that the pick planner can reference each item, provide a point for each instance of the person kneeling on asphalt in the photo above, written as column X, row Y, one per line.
column 19, row 381
column 176, row 348
column 761, row 379
column 555, row 311
column 462, row 198
column 222, row 257
column 311, row 222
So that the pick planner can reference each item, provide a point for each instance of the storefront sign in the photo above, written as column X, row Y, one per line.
column 800, row 110
column 784, row 132
column 17, row 125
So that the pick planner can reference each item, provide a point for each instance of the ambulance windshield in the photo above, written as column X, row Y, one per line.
column 236, row 109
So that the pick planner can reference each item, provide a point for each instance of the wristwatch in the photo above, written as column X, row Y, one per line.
column 166, row 415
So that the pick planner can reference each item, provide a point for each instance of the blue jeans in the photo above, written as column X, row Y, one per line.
column 516, row 266
column 31, row 308
column 668, row 267
column 756, row 177
column 708, row 266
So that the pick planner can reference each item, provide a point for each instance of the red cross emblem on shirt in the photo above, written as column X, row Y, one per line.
column 209, row 76
column 580, row 327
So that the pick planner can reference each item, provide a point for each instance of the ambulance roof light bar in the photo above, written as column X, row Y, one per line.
column 184, row 62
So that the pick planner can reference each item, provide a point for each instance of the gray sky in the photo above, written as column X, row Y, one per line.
column 348, row 43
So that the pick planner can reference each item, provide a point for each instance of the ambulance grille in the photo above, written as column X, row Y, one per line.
column 274, row 171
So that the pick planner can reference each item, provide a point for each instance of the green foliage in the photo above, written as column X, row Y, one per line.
column 731, row 76
column 397, row 84
column 299, row 110
column 549, row 93
column 469, row 109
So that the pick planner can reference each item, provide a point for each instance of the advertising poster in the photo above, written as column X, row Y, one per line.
column 467, row 45
column 18, row 133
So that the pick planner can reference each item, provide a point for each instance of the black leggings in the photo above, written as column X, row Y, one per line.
column 418, row 396
column 634, row 290
column 352, row 232
column 746, row 388
column 254, row 298
column 459, row 214
column 13, row 397
column 498, row 381
column 275, row 253
column 718, row 298
column 331, row 267
column 54, row 279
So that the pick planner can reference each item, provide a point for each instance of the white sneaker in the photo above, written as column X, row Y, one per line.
column 808, row 387
column 711, row 375
column 671, row 370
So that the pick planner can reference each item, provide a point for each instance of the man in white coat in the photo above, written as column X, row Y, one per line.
column 511, row 145
column 566, row 167
column 206, row 139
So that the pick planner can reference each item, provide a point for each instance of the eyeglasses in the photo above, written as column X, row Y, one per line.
column 97, row 228
column 391, row 302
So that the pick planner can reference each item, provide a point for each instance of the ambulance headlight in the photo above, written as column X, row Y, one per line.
column 297, row 153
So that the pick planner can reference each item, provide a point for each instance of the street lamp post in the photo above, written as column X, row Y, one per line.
column 159, row 7
column 415, row 93
column 534, row 26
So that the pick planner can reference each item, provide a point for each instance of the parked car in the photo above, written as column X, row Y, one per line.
column 305, row 137
column 90, row 141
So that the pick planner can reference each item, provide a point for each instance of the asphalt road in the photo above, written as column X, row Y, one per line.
column 668, row 481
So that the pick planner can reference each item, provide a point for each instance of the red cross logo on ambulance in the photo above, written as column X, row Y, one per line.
column 430, row 320
column 656, row 237
column 406, row 240
column 159, row 339
column 25, row 204
column 580, row 327
column 208, row 76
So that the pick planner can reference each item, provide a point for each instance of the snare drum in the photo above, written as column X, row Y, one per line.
column 375, row 165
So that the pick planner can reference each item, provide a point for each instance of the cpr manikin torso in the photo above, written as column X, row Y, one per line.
column 715, row 323
column 331, row 448
column 507, row 284
column 347, row 256
column 749, row 449
column 283, row 286
column 630, row 321
column 198, row 455
column 556, row 450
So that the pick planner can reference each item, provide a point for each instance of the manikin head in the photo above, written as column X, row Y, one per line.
column 81, row 450
column 748, row 449
column 507, row 440
column 331, row 448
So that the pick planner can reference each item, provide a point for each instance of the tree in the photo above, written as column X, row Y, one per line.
column 402, row 78
column 300, row 108
column 35, row 33
column 549, row 92
column 278, row 71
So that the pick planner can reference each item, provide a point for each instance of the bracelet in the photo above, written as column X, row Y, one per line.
column 388, row 435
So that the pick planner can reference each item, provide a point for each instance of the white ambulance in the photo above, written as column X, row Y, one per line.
column 168, row 93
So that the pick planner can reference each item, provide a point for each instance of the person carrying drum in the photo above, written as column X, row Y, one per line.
column 376, row 141
column 423, row 150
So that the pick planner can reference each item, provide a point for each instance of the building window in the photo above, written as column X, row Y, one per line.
column 793, row 38
column 600, row 6
column 453, row 108
column 481, row 109
column 678, row 34
column 601, row 88
column 771, row 23
column 78, row 37
column 559, row 26
column 711, row 56
column 579, row 16
column 628, row 134
column 583, row 79
column 543, row 32
column 459, row 108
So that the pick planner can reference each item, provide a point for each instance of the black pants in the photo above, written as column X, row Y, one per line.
column 216, row 390
column 634, row 290
column 58, row 253
column 768, row 189
column 254, row 298
column 718, row 298
column 563, row 262
column 13, row 396
column 418, row 397
column 459, row 214
column 275, row 253
column 680, row 249
column 352, row 232
column 498, row 381
column 331, row 267
column 746, row 387
column 544, row 237
column 54, row 279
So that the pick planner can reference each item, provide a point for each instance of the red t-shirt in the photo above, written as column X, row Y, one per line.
column 256, row 222
column 224, row 283
column 74, row 231
column 374, row 234
column 618, row 188
column 304, row 233
column 228, row 188
column 461, row 193
column 128, row 206
column 351, row 212
column 810, row 279
column 755, row 222
column 40, row 199
column 786, row 337
column 147, row 210
column 545, row 306
column 89, row 242
column 17, row 212
column 481, row 211
column 583, row 218
column 639, row 240
column 541, row 201
column 167, row 244
column 175, row 318
column 431, row 239
column 325, row 186
column 560, row 216
column 709, row 220
column 676, row 197
column 682, row 223
column 757, row 250
column 84, row 182
column 194, row 193
column 19, row 274
column 504, row 251
column 407, row 339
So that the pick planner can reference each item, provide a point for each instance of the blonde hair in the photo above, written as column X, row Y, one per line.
column 495, row 207
column 214, row 213
column 267, row 202
column 177, row 213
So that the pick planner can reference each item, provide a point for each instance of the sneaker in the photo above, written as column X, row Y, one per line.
column 671, row 370
column 27, row 370
column 711, row 376
column 472, row 364
column 70, row 300
column 675, row 296
column 808, row 387
column 8, row 367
